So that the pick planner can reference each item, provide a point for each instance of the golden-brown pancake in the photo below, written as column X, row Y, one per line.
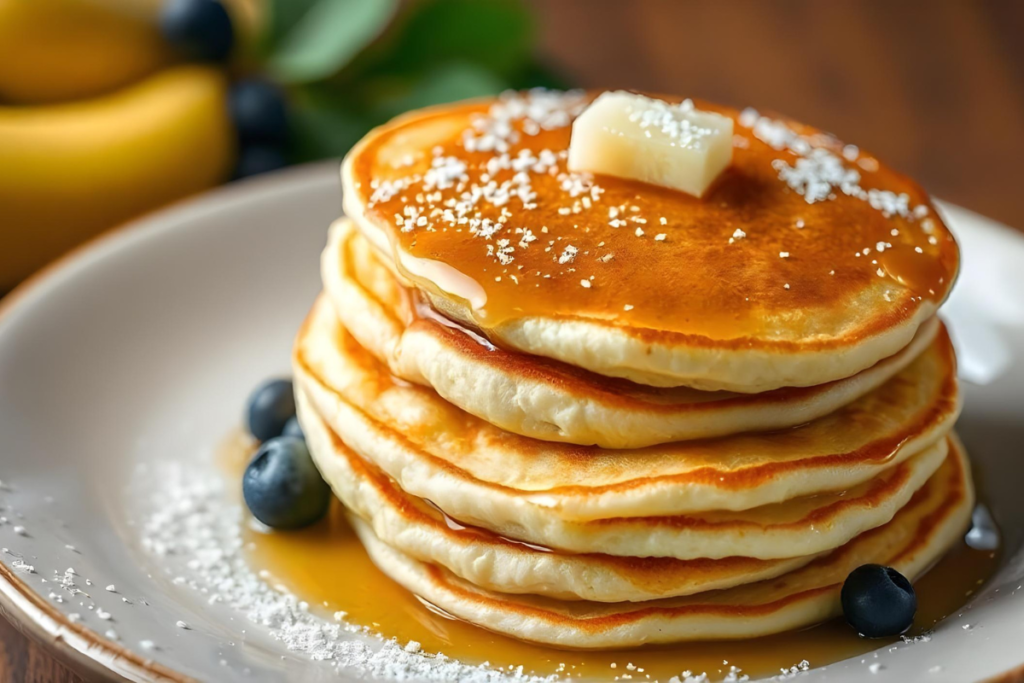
column 919, row 534
column 487, row 560
column 630, row 501
column 546, row 399
column 806, row 262
column 472, row 469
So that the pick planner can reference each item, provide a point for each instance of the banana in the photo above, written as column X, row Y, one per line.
column 56, row 50
column 68, row 171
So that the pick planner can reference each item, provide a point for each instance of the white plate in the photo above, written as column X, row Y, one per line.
column 141, row 348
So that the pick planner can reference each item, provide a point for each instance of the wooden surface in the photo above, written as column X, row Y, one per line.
column 933, row 87
column 23, row 661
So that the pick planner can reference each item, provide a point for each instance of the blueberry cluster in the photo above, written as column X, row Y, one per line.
column 202, row 31
column 281, row 485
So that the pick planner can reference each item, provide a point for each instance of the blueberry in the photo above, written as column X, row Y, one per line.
column 258, row 110
column 282, row 486
column 256, row 159
column 878, row 601
column 199, row 28
column 270, row 408
column 293, row 428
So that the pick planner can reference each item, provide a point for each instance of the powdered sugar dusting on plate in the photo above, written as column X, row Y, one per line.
column 193, row 528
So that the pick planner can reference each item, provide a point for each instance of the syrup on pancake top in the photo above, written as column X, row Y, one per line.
column 801, row 244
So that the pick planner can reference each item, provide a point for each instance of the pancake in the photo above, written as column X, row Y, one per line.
column 806, row 262
column 546, row 399
column 818, row 520
column 489, row 561
column 922, row 531
column 475, row 471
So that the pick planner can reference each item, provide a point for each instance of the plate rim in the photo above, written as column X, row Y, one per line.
column 77, row 647
column 82, row 650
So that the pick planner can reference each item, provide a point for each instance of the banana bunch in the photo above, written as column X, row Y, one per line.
column 97, row 125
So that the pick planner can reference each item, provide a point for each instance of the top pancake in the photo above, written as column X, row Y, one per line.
column 772, row 279
column 547, row 399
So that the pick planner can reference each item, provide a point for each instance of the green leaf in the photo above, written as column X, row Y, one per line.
column 495, row 34
column 326, row 36
column 322, row 125
column 444, row 83
column 282, row 15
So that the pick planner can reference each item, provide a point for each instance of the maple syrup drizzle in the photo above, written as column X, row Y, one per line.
column 695, row 280
column 327, row 566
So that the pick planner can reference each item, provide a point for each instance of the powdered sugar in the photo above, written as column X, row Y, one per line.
column 539, row 109
column 673, row 122
column 457, row 194
column 193, row 529
column 818, row 173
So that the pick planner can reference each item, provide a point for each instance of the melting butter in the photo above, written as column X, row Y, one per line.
column 672, row 145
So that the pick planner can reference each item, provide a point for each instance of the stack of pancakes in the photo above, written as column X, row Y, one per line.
column 589, row 412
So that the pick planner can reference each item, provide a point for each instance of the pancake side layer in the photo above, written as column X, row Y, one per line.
column 489, row 561
column 922, row 531
column 473, row 470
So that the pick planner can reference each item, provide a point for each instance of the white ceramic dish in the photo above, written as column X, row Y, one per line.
column 141, row 348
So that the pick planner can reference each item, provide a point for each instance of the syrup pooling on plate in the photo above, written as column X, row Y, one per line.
column 327, row 566
column 476, row 201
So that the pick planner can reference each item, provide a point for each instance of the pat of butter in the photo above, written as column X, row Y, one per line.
column 636, row 137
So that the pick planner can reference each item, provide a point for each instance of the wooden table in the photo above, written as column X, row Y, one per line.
column 933, row 87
